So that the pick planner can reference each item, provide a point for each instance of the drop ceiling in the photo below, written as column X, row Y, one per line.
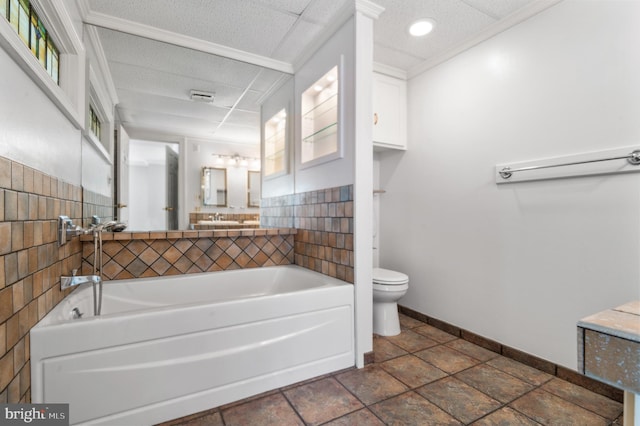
column 153, row 79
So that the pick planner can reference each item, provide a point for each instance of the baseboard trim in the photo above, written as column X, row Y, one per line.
column 559, row 371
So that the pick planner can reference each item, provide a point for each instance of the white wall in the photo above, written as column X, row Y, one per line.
column 97, row 171
column 521, row 263
column 34, row 131
column 338, row 172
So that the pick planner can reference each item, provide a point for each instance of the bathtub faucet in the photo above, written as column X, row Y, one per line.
column 66, row 282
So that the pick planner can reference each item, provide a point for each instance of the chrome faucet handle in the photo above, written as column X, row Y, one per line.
column 74, row 272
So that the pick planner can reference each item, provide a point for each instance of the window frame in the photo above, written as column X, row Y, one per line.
column 101, row 143
column 95, row 124
column 102, row 96
column 68, row 95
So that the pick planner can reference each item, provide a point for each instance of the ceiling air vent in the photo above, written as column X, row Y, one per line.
column 200, row 96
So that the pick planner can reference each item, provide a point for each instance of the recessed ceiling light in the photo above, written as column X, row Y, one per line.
column 421, row 27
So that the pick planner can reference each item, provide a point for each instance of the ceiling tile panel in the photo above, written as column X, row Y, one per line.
column 243, row 118
column 163, row 105
column 244, row 25
column 158, row 56
column 295, row 7
column 497, row 8
column 250, row 101
column 241, row 134
column 323, row 11
column 155, row 121
column 455, row 22
column 128, row 77
column 302, row 34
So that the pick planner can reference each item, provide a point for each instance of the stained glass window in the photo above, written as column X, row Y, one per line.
column 95, row 122
column 31, row 30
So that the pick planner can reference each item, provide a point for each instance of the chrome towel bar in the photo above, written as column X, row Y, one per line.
column 633, row 158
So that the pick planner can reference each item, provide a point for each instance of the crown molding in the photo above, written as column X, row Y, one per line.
column 154, row 33
column 515, row 18
column 368, row 8
column 348, row 10
column 389, row 70
column 343, row 15
column 102, row 63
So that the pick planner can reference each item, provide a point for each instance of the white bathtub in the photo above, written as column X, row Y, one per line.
column 168, row 347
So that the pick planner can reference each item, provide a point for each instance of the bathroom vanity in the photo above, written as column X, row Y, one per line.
column 609, row 351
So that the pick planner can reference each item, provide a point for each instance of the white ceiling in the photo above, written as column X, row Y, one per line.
column 153, row 79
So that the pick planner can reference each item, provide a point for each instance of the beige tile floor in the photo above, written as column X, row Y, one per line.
column 423, row 376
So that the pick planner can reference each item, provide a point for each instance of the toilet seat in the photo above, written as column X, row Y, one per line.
column 388, row 277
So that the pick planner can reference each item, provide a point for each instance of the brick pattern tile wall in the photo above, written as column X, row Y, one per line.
column 31, row 264
column 151, row 254
column 324, row 219
column 96, row 204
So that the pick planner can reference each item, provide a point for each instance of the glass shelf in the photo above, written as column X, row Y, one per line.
column 319, row 133
column 275, row 155
column 323, row 107
column 276, row 138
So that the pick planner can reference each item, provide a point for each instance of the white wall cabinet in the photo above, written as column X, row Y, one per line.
column 389, row 112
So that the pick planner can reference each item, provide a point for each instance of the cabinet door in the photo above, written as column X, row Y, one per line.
column 389, row 112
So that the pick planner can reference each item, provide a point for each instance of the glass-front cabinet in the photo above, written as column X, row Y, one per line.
column 275, row 144
column 320, row 112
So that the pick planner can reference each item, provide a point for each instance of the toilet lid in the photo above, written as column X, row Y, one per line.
column 386, row 276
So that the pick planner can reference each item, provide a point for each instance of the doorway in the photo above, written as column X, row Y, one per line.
column 153, row 185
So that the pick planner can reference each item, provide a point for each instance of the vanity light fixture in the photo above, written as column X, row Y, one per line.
column 421, row 27
column 237, row 161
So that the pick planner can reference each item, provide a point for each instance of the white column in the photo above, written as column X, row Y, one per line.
column 365, row 13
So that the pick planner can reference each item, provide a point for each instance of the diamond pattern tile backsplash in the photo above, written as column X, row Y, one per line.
column 139, row 258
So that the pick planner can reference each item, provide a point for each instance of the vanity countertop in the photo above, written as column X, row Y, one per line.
column 609, row 346
column 623, row 321
column 169, row 235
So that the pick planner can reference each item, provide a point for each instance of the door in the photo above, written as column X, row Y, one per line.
column 172, row 188
column 121, row 210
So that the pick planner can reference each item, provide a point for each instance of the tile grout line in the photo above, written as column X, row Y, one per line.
column 536, row 387
column 284, row 395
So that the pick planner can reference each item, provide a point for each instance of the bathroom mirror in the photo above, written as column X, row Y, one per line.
column 253, row 191
column 214, row 187
column 206, row 103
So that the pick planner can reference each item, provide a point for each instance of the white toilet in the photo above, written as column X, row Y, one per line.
column 388, row 287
